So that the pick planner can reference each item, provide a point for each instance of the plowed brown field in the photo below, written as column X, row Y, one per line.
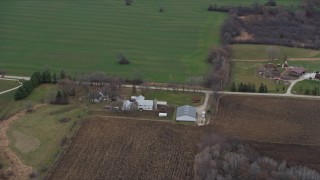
column 282, row 128
column 129, row 149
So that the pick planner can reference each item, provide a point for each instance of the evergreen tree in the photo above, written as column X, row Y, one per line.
column 62, row 74
column 54, row 78
column 233, row 87
column 307, row 92
column 39, row 77
column 240, row 87
column 20, row 93
column 315, row 91
column 253, row 88
column 43, row 77
column 49, row 77
column 265, row 89
column 261, row 88
column 245, row 88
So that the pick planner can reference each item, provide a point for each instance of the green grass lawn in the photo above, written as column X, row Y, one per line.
column 175, row 98
column 249, row 51
column 5, row 85
column 302, row 86
column 9, row 106
column 36, row 137
column 246, row 72
column 310, row 66
column 81, row 36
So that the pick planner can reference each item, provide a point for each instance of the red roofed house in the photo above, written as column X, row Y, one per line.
column 297, row 71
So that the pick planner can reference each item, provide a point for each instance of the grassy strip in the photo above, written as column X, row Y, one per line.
column 302, row 86
column 253, row 51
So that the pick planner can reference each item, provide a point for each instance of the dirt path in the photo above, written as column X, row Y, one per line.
column 16, row 168
column 200, row 120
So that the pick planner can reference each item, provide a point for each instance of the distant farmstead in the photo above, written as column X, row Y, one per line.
column 297, row 71
column 186, row 113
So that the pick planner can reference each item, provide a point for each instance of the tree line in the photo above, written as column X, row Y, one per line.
column 250, row 87
column 293, row 26
column 227, row 158
column 36, row 79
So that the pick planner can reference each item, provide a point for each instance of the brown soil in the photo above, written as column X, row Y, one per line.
column 244, row 36
column 282, row 128
column 269, row 119
column 128, row 149
column 294, row 154
column 16, row 170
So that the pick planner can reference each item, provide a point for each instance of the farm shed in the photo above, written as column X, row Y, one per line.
column 297, row 71
column 145, row 104
column 186, row 113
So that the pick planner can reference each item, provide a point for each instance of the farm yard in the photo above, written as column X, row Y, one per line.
column 272, row 120
column 120, row 148
column 247, row 72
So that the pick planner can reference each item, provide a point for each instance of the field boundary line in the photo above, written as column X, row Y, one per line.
column 248, row 140
column 140, row 119
column 65, row 148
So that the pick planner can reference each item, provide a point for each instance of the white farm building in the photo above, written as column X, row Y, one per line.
column 186, row 113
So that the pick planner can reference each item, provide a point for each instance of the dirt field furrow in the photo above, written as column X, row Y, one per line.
column 129, row 149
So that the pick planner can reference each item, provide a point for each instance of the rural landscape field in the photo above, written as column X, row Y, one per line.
column 147, row 89
column 288, row 124
column 125, row 149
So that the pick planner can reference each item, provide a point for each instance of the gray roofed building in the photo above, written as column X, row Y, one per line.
column 186, row 113
column 297, row 71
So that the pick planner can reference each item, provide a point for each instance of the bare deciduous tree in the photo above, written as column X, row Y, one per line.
column 272, row 52
column 67, row 86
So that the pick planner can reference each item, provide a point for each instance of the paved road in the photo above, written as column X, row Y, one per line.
column 17, row 77
column 210, row 92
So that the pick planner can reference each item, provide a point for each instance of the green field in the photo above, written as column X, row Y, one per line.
column 302, row 86
column 310, row 66
column 82, row 36
column 246, row 72
column 5, row 85
column 252, row 52
column 36, row 137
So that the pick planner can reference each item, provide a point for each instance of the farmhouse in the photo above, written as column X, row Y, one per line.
column 186, row 113
column 147, row 104
column 297, row 71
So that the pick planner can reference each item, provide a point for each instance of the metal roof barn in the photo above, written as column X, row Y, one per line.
column 186, row 113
